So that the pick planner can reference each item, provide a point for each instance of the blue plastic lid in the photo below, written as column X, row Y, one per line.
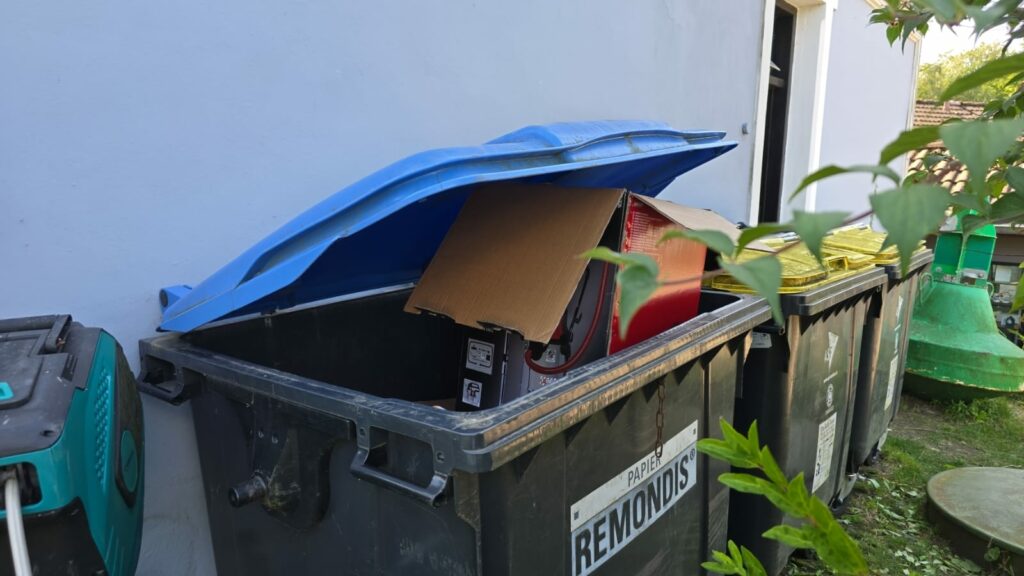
column 383, row 230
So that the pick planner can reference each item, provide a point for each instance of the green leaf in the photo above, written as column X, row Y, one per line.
column 734, row 438
column 1007, row 208
column 932, row 159
column 797, row 490
column 908, row 141
column 723, row 564
column 794, row 500
column 1015, row 178
column 785, row 502
column 993, row 554
column 748, row 235
column 1014, row 80
column 722, row 557
column 915, row 177
column 979, row 142
column 892, row 33
column 946, row 9
column 814, row 226
column 752, row 564
column 908, row 28
column 718, row 568
column 971, row 222
column 746, row 483
column 1018, row 297
column 622, row 259
column 763, row 276
column 734, row 551
column 969, row 201
column 717, row 241
column 753, row 439
column 992, row 70
column 636, row 284
column 986, row 18
column 820, row 514
column 637, row 279
column 909, row 214
column 720, row 450
column 771, row 468
column 789, row 536
column 833, row 545
column 833, row 170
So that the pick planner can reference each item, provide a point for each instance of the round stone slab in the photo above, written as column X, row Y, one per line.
column 978, row 506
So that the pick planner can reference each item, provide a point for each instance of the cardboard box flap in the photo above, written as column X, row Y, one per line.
column 511, row 260
column 699, row 219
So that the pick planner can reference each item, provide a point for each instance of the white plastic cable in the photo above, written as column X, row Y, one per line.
column 16, row 528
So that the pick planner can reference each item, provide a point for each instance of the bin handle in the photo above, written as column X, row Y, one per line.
column 836, row 263
column 430, row 494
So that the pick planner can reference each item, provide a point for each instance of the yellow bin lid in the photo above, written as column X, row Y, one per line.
column 801, row 271
column 862, row 240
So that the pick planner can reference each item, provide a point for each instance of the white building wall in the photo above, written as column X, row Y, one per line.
column 146, row 144
column 869, row 100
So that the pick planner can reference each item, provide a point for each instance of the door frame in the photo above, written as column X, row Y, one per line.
column 812, row 39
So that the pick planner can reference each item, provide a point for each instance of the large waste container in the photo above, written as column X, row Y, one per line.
column 884, row 349
column 799, row 384
column 315, row 396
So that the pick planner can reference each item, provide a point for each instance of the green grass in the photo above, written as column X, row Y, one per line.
column 886, row 512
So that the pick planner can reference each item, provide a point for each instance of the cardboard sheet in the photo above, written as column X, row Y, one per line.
column 511, row 260
column 699, row 219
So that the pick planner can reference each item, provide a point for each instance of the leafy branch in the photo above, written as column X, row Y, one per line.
column 818, row 530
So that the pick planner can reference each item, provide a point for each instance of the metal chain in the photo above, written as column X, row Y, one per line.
column 659, row 420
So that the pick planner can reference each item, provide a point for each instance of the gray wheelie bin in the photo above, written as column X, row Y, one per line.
column 884, row 355
column 316, row 398
column 799, row 384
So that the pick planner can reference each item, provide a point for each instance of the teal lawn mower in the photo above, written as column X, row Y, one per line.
column 71, row 450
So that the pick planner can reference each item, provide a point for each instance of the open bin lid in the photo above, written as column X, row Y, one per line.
column 383, row 230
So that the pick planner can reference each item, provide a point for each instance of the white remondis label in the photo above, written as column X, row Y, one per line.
column 610, row 517
column 826, row 447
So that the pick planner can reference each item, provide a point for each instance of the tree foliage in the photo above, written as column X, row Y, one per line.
column 935, row 77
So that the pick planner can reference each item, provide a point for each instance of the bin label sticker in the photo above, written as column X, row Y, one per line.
column 826, row 447
column 890, row 390
column 761, row 340
column 830, row 353
column 603, row 522
column 471, row 392
column 480, row 356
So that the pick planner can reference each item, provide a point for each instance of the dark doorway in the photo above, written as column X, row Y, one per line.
column 775, row 116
